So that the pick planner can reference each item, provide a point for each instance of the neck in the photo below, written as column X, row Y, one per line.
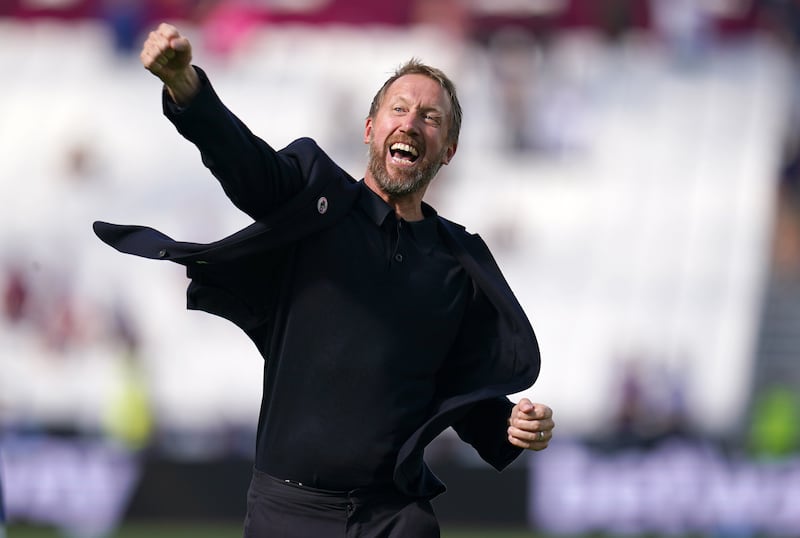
column 407, row 207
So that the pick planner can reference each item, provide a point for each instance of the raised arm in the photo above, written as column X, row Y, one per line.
column 256, row 178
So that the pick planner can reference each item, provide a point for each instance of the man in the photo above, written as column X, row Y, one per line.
column 381, row 323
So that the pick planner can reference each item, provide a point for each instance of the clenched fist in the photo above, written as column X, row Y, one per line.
column 168, row 55
column 530, row 425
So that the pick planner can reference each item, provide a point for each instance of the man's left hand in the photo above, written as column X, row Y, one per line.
column 530, row 425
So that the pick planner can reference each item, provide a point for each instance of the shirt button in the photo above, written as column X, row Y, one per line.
column 398, row 257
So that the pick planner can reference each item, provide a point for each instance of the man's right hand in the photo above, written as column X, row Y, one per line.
column 168, row 55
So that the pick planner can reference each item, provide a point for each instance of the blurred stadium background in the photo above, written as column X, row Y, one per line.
column 632, row 163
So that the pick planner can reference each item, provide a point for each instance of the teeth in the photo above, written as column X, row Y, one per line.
column 404, row 147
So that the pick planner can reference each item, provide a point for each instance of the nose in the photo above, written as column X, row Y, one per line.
column 410, row 125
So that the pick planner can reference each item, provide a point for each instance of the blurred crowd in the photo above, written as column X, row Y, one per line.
column 688, row 22
column 57, row 321
column 515, row 36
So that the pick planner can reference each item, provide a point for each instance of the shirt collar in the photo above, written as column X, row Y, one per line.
column 425, row 231
column 373, row 205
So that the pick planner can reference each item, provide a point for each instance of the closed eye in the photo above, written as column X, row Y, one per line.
column 433, row 119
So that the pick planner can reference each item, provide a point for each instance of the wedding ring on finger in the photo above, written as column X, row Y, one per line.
column 540, row 436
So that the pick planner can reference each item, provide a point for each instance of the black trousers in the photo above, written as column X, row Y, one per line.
column 279, row 509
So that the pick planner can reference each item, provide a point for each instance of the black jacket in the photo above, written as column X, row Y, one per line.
column 500, row 354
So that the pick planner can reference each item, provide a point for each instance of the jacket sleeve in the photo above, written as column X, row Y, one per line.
column 485, row 428
column 255, row 177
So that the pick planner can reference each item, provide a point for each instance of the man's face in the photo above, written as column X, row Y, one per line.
column 407, row 137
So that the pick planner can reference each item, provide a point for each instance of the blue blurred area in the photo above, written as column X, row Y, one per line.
column 632, row 164
column 2, row 510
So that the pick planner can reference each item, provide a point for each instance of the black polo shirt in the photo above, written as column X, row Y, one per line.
column 369, row 311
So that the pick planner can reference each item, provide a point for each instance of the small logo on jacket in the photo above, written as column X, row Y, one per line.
column 322, row 205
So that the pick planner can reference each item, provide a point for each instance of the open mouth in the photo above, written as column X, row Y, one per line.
column 403, row 153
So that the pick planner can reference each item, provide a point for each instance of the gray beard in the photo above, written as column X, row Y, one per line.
column 408, row 181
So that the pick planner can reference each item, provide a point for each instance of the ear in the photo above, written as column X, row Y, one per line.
column 448, row 155
column 367, row 130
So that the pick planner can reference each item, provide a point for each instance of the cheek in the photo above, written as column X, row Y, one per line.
column 382, row 127
column 377, row 130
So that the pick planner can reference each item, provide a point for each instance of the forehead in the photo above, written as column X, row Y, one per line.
column 419, row 89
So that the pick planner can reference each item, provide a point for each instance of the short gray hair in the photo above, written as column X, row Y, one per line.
column 415, row 67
